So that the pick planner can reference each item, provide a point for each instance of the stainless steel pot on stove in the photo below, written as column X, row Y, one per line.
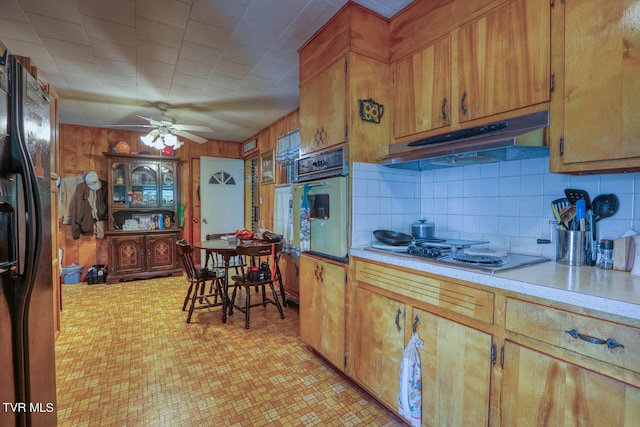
column 423, row 229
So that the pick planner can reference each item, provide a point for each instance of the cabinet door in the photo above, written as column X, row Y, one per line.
column 144, row 185
column 323, row 109
column 601, row 96
column 377, row 336
column 540, row 390
column 422, row 90
column 456, row 369
column 127, row 255
column 504, row 60
column 322, row 308
column 161, row 252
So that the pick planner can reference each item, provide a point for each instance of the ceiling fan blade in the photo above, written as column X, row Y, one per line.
column 149, row 119
column 192, row 128
column 190, row 136
column 128, row 127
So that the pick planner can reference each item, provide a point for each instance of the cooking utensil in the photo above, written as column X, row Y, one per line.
column 574, row 195
column 558, row 206
column 392, row 238
column 567, row 215
column 581, row 213
column 422, row 229
column 603, row 206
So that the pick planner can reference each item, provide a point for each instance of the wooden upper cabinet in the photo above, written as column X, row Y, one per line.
column 596, row 107
column 345, row 62
column 504, row 60
column 422, row 90
column 323, row 109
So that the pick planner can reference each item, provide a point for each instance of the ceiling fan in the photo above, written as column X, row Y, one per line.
column 163, row 125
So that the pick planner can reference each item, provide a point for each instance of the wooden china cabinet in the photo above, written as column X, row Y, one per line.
column 143, row 216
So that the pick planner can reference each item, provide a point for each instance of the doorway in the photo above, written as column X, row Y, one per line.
column 221, row 195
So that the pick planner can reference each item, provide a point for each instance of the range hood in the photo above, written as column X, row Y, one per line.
column 518, row 138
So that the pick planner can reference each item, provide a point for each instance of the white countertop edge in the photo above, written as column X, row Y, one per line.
column 606, row 305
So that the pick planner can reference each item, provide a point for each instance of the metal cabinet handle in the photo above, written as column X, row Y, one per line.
column 445, row 116
column 398, row 320
column 321, row 274
column 610, row 342
column 315, row 273
column 463, row 104
column 414, row 327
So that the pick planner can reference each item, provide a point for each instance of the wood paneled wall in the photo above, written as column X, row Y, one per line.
column 267, row 139
column 81, row 148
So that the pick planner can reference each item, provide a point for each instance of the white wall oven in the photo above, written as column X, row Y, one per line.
column 320, row 204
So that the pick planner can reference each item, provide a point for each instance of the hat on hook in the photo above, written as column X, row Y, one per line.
column 93, row 181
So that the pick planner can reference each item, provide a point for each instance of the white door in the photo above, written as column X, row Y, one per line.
column 221, row 195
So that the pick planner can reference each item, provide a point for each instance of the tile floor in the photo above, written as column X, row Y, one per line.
column 126, row 357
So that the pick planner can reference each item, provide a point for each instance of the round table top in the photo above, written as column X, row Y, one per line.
column 222, row 246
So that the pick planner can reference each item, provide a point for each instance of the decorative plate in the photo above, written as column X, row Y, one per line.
column 168, row 179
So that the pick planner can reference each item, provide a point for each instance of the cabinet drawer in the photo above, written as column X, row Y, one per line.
column 597, row 337
column 471, row 302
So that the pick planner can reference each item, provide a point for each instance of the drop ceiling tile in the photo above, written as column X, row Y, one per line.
column 270, row 70
column 155, row 68
column 207, row 35
column 192, row 68
column 65, row 10
column 256, row 82
column 117, row 80
column 199, row 53
column 119, row 11
column 232, row 69
column 278, row 54
column 113, row 51
column 159, row 33
column 121, row 93
column 66, row 65
column 12, row 10
column 120, row 68
column 277, row 14
column 169, row 12
column 219, row 81
column 63, row 49
column 58, row 29
column 242, row 54
column 156, row 52
column 79, row 80
column 163, row 84
column 110, row 31
column 219, row 13
column 152, row 92
column 188, row 81
column 254, row 35
column 10, row 29
column 31, row 50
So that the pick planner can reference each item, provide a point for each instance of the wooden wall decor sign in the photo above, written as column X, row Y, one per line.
column 370, row 110
column 267, row 167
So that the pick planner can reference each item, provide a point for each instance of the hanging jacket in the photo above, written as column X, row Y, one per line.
column 82, row 212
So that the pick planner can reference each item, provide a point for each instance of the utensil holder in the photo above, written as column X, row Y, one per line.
column 570, row 247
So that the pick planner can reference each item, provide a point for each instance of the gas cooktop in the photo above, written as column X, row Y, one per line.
column 458, row 253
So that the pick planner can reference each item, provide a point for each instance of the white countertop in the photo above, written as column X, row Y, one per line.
column 608, row 291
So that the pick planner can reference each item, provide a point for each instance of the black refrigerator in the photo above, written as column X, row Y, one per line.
column 27, row 354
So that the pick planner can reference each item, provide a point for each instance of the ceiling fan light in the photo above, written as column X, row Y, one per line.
column 170, row 139
column 147, row 139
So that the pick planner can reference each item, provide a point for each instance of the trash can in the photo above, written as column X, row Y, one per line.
column 96, row 274
column 72, row 274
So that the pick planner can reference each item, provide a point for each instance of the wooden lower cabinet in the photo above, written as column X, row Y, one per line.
column 322, row 307
column 142, row 255
column 377, row 336
column 541, row 390
column 456, row 372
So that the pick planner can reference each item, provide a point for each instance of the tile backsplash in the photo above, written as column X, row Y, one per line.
column 505, row 203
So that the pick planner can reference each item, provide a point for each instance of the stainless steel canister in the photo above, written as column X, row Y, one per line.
column 570, row 247
column 423, row 229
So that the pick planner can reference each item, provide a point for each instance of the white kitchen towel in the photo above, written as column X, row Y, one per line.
column 410, row 394
column 283, row 214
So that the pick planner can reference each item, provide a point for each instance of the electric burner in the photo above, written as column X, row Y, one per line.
column 479, row 259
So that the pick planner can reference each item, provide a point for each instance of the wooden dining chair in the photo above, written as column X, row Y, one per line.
column 196, row 297
column 256, row 256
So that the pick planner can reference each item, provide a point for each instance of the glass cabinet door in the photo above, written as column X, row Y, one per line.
column 144, row 185
column 168, row 185
column 119, row 196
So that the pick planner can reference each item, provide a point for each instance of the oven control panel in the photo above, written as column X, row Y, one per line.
column 324, row 164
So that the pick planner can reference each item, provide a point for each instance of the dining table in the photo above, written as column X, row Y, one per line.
column 227, row 248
